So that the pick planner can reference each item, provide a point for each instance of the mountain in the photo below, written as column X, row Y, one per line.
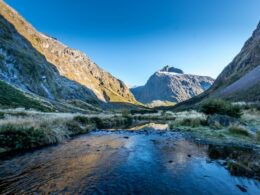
column 171, row 85
column 41, row 65
column 10, row 97
column 239, row 81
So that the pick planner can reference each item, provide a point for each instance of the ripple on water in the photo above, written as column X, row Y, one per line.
column 121, row 162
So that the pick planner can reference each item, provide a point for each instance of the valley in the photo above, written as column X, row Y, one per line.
column 67, row 126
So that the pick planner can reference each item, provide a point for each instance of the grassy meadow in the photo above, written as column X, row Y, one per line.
column 215, row 121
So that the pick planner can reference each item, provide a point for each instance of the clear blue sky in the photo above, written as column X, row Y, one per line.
column 133, row 38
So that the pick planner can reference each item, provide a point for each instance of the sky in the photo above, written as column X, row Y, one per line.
column 132, row 39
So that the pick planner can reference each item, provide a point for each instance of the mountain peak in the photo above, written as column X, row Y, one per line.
column 170, row 84
column 172, row 69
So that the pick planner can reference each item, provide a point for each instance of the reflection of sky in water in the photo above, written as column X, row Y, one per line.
column 121, row 163
column 152, row 126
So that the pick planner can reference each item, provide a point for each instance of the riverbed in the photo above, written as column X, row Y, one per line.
column 123, row 162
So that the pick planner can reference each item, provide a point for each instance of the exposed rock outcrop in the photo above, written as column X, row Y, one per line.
column 171, row 84
column 43, row 65
column 24, row 67
column 239, row 81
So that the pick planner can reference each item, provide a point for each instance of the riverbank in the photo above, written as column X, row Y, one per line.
column 131, row 161
column 220, row 129
column 22, row 130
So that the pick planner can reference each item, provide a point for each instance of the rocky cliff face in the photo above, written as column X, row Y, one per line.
column 240, row 80
column 25, row 68
column 172, row 85
column 43, row 65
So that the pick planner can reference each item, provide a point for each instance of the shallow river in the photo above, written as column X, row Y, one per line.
column 122, row 162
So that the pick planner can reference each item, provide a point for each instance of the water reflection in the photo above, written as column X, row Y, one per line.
column 239, row 161
column 150, row 126
column 123, row 162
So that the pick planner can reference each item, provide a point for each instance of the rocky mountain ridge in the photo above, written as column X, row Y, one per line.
column 242, row 75
column 240, row 79
column 66, row 64
column 172, row 85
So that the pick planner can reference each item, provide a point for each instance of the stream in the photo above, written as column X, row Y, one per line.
column 123, row 162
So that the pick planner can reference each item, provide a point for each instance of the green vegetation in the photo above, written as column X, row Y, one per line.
column 103, row 123
column 143, row 111
column 238, row 129
column 190, row 122
column 31, row 129
column 13, row 98
column 2, row 115
column 250, row 106
column 240, row 161
column 82, row 119
column 35, row 129
column 75, row 128
column 19, row 137
column 237, row 132
column 258, row 135
column 218, row 106
column 191, row 119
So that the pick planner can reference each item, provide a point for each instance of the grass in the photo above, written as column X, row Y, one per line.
column 13, row 98
column 195, row 124
column 22, row 129
column 19, row 137
column 188, row 119
column 238, row 129
column 190, row 122
column 33, row 129
column 218, row 106
column 258, row 135
column 251, row 116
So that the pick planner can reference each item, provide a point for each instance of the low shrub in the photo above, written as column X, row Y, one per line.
column 251, row 106
column 258, row 135
column 217, row 106
column 2, row 115
column 100, row 124
column 19, row 137
column 238, row 129
column 191, row 122
column 144, row 111
column 75, row 128
column 114, row 122
column 255, row 106
column 82, row 119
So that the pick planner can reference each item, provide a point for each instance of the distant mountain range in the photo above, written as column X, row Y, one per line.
column 171, row 84
column 39, row 64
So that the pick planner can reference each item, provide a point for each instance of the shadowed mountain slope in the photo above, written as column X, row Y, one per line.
column 240, row 80
column 46, row 63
